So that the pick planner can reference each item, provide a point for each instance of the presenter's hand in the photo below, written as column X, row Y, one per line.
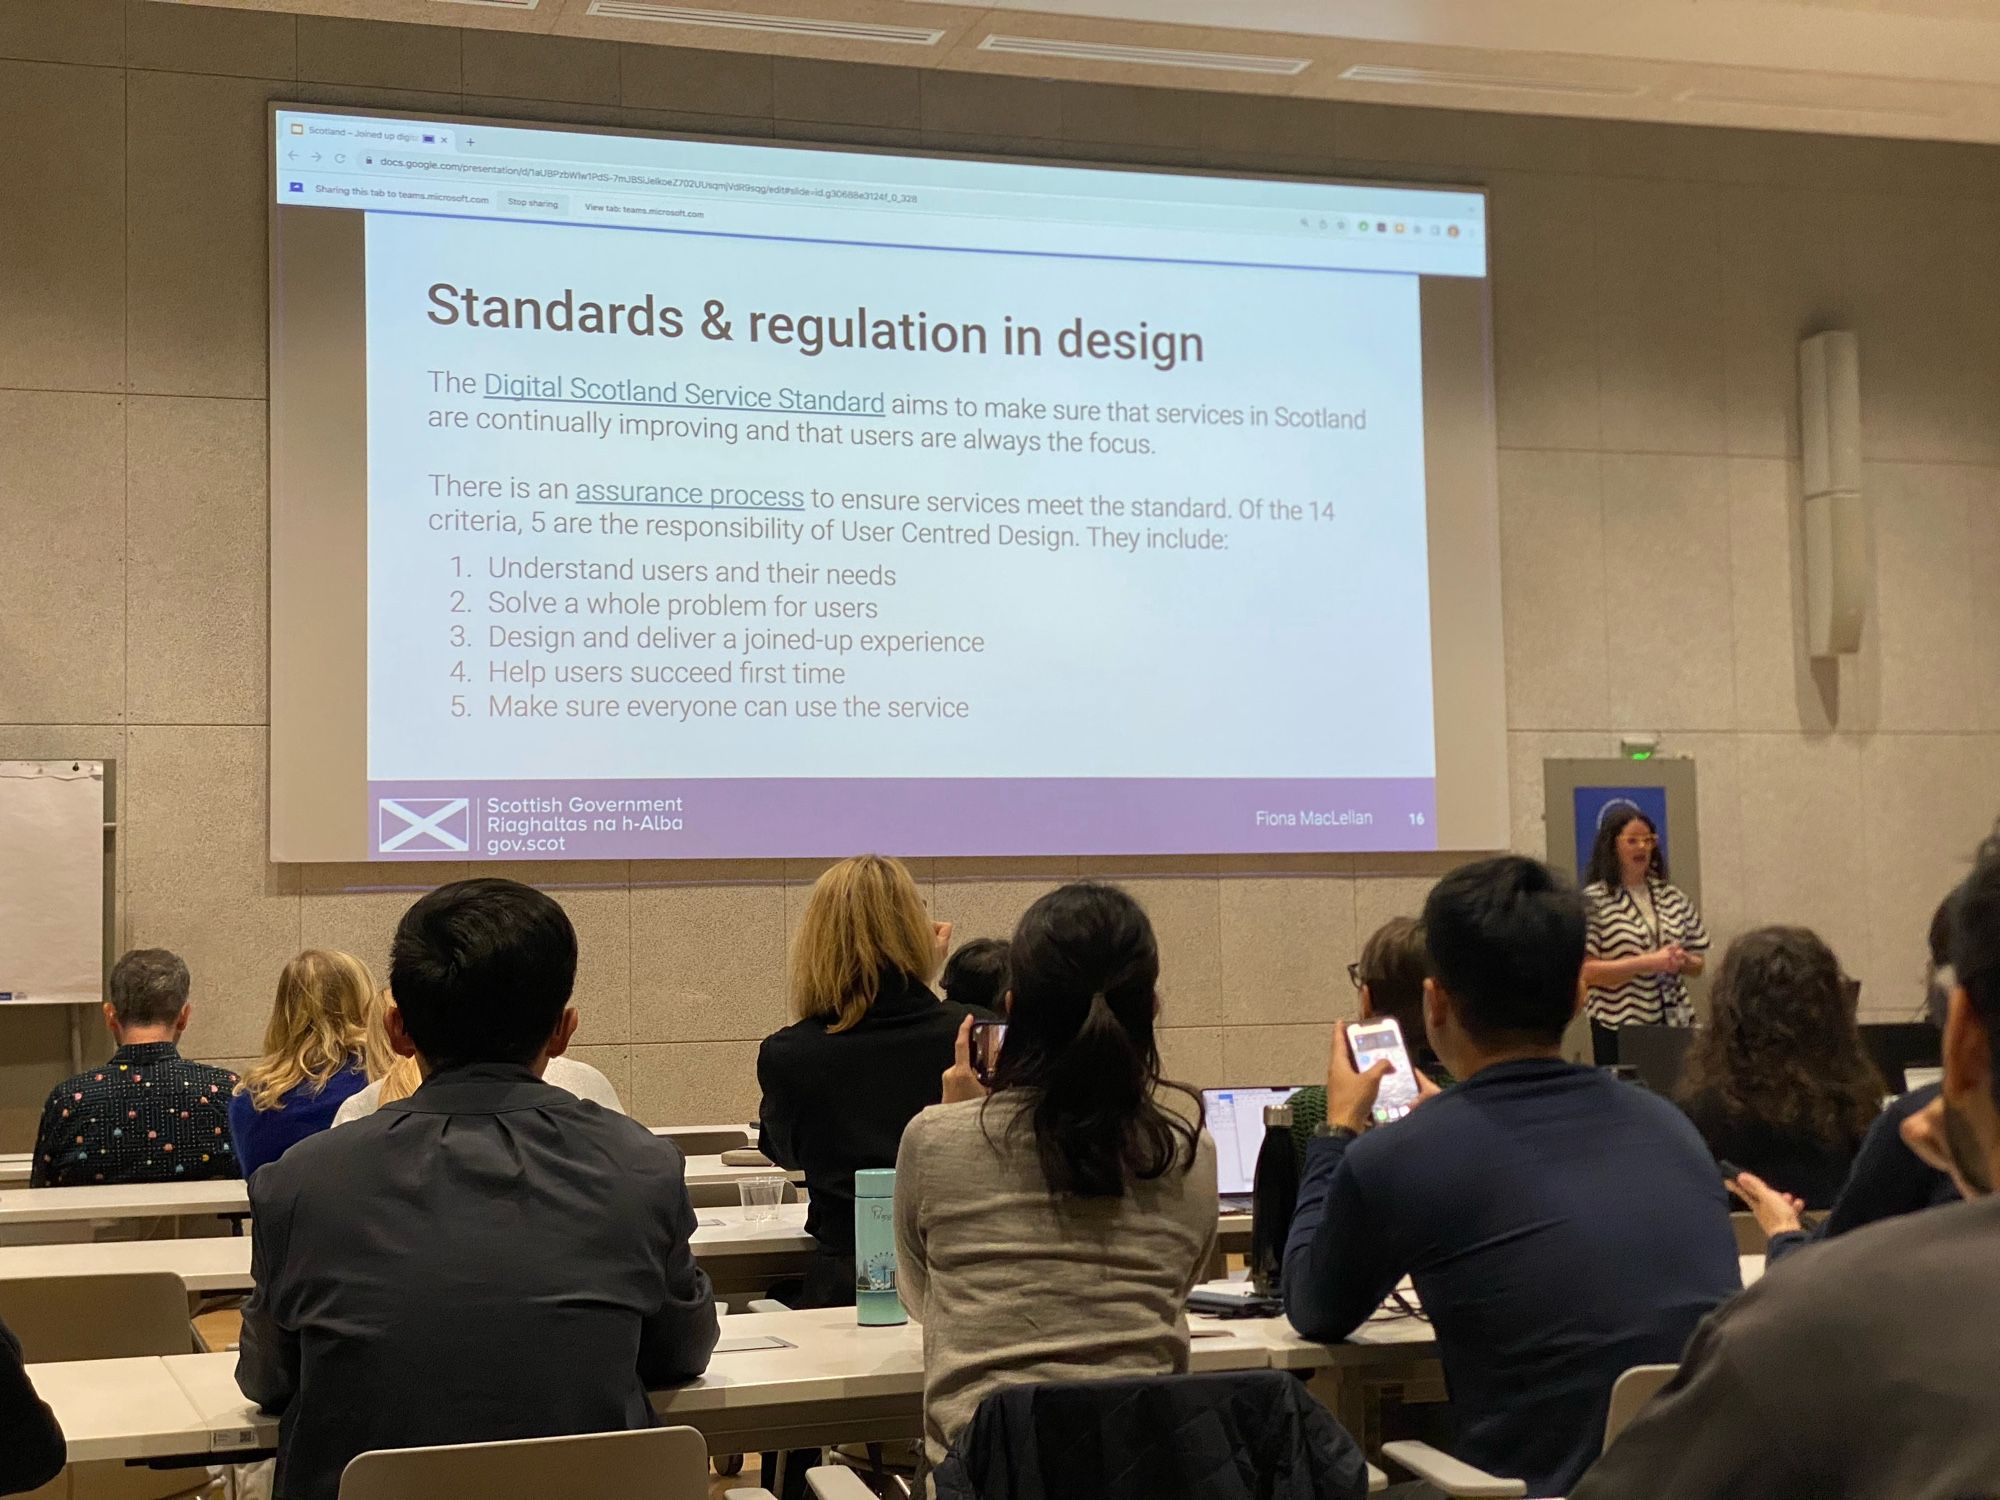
column 1677, row 958
column 960, row 1082
column 1350, row 1095
column 1659, row 961
column 1776, row 1212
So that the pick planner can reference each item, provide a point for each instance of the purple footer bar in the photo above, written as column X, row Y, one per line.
column 757, row 819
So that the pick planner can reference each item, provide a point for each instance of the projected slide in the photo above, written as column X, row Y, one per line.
column 726, row 501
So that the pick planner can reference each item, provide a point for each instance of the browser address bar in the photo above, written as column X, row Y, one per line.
column 948, row 202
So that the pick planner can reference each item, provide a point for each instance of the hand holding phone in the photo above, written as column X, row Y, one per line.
column 988, row 1037
column 1377, row 1041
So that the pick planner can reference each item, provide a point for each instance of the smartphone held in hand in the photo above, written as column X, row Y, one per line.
column 1372, row 1041
column 988, row 1037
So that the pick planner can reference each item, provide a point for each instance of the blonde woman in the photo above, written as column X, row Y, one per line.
column 321, row 1047
column 867, row 1045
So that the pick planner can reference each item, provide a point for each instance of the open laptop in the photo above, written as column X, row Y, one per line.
column 1236, row 1121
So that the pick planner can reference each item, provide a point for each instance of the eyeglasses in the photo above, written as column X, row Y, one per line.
column 1642, row 841
column 1354, row 975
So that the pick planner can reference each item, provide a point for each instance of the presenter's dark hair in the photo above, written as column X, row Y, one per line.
column 1085, row 969
column 1975, row 944
column 1506, row 941
column 976, row 973
column 482, row 970
column 1604, row 866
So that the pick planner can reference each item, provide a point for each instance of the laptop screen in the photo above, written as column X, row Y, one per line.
column 1236, row 1121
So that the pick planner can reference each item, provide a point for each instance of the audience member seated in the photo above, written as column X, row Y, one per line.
column 32, row 1451
column 1389, row 980
column 320, row 1049
column 1052, row 1230
column 1888, row 1179
column 488, row 1259
column 146, row 1115
column 863, row 1054
column 401, row 1078
column 1778, row 1082
column 975, row 976
column 1865, row 1370
column 1560, row 1226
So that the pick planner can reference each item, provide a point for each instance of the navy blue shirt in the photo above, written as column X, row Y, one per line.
column 264, row 1135
column 1560, row 1227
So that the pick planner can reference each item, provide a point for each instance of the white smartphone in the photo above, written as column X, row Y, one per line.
column 1373, row 1040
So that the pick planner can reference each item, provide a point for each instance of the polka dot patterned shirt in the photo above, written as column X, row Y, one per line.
column 147, row 1115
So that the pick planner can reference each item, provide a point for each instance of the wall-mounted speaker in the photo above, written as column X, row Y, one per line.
column 1836, row 514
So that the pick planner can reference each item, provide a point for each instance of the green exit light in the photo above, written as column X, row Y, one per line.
column 1640, row 754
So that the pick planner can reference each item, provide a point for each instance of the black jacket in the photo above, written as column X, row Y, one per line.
column 1175, row 1437
column 490, row 1258
column 32, row 1451
column 836, row 1102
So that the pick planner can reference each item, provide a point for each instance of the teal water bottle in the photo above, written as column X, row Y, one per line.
column 876, row 1301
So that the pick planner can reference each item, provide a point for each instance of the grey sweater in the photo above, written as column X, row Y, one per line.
column 1012, row 1285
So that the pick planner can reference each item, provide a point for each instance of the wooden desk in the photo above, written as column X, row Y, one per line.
column 166, row 1200
column 836, row 1382
column 736, row 1253
column 121, row 1409
column 139, row 1200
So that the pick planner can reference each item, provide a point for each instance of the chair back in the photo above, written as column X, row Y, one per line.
column 663, row 1463
column 1750, row 1236
column 1158, row 1437
column 125, row 1315
column 1634, row 1389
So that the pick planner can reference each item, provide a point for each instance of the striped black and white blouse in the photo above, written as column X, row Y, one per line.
column 1622, row 927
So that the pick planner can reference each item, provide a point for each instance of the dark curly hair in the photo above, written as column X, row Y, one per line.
column 1782, row 1043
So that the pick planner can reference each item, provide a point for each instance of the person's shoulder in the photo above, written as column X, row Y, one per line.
column 795, row 1040
column 73, row 1089
column 206, row 1076
column 1903, row 1106
column 1597, row 889
column 1882, row 1282
column 939, row 1126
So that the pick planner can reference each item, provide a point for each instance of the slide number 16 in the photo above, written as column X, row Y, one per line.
column 1416, row 820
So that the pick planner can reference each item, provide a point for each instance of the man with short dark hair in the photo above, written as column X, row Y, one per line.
column 490, row 1258
column 1560, row 1226
column 1865, row 1370
column 147, row 1114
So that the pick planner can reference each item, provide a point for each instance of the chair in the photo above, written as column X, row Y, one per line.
column 1154, row 1437
column 1629, row 1395
column 121, row 1316
column 61, row 1318
column 846, row 1484
column 663, row 1463
column 1750, row 1236
column 1634, row 1389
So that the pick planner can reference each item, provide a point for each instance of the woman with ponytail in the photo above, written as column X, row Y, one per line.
column 1052, row 1228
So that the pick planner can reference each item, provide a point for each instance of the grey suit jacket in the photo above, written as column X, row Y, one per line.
column 490, row 1258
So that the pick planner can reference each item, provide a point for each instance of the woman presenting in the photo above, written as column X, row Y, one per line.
column 1644, row 937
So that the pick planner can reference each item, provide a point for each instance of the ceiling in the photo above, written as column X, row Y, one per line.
column 1914, row 68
